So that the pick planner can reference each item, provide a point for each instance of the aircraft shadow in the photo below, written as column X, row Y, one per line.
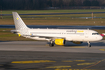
column 85, row 44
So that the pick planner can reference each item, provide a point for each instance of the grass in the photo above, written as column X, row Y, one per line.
column 56, row 21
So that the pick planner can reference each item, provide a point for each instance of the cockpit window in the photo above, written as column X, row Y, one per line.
column 95, row 33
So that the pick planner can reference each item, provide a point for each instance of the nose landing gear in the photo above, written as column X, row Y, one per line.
column 89, row 45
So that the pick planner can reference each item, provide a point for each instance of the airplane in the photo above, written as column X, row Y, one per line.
column 55, row 36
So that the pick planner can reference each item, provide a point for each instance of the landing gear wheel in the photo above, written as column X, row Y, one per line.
column 89, row 44
column 51, row 45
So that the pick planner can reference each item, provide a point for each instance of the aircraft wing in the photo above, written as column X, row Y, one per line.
column 47, row 37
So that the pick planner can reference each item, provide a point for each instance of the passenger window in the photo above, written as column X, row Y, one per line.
column 95, row 33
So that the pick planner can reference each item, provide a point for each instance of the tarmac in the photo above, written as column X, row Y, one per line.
column 37, row 55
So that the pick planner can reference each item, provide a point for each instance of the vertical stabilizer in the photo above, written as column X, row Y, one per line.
column 19, row 24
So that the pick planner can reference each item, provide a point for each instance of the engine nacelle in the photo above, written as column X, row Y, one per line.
column 59, row 41
column 76, row 42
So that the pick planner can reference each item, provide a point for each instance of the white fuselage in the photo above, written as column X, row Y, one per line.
column 67, row 34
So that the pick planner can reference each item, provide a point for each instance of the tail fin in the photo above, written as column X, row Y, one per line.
column 19, row 24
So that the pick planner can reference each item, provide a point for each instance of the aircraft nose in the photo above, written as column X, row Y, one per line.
column 100, row 37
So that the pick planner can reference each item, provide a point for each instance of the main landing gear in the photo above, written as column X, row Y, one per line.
column 51, row 44
column 89, row 45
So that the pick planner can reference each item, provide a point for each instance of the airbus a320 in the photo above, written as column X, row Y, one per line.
column 55, row 36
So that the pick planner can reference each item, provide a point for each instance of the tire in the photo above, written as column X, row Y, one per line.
column 51, row 45
column 89, row 45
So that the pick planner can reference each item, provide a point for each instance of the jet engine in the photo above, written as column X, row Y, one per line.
column 76, row 42
column 59, row 41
